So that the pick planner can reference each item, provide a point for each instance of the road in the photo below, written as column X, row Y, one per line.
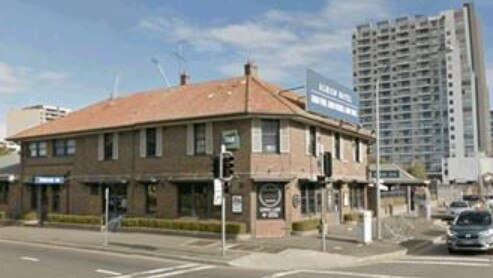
column 27, row 260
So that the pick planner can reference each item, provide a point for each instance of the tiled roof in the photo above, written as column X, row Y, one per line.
column 234, row 96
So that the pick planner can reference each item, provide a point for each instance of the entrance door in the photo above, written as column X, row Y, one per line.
column 39, row 193
column 118, row 199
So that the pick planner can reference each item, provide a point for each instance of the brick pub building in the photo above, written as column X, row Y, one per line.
column 154, row 151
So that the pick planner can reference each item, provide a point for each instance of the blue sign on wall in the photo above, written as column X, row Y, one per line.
column 327, row 98
column 48, row 180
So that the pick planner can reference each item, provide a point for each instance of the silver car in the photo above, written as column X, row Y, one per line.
column 457, row 207
column 472, row 230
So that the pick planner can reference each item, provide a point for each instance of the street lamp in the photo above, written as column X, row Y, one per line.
column 377, row 130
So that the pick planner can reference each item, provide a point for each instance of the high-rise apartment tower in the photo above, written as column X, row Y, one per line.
column 433, row 96
column 24, row 118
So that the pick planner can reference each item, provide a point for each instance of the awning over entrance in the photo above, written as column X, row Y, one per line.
column 117, row 179
column 268, row 178
column 8, row 178
column 192, row 179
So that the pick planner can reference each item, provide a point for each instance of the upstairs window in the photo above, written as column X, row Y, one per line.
column 108, row 146
column 199, row 136
column 64, row 147
column 337, row 146
column 270, row 136
column 357, row 151
column 313, row 141
column 151, row 142
column 37, row 149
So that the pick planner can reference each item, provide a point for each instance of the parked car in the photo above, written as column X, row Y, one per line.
column 457, row 207
column 472, row 230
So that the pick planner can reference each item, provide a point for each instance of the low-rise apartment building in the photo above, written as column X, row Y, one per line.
column 154, row 151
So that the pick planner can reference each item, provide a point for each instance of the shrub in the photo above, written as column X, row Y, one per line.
column 3, row 215
column 211, row 226
column 30, row 215
column 351, row 217
column 306, row 225
column 77, row 219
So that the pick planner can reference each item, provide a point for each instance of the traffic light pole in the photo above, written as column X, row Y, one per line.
column 223, row 201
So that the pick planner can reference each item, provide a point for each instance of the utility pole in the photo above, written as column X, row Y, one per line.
column 106, row 215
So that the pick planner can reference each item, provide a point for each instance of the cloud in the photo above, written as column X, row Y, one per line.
column 281, row 42
column 17, row 78
column 52, row 77
column 3, row 129
column 12, row 79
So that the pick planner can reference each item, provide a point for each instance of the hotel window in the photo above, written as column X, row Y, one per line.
column 313, row 141
column 337, row 145
column 270, row 136
column 195, row 200
column 64, row 147
column 199, row 136
column 4, row 193
column 151, row 142
column 108, row 146
column 357, row 151
column 356, row 196
column 311, row 199
column 37, row 149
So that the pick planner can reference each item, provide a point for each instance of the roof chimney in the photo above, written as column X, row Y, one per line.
column 250, row 69
column 184, row 79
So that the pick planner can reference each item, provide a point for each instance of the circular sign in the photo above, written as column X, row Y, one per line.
column 270, row 195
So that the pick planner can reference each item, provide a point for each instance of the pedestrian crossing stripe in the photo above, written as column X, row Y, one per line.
column 167, row 271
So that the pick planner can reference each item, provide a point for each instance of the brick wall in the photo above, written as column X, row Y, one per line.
column 76, row 196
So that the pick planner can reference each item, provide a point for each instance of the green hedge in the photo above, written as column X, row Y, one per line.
column 306, row 225
column 30, row 215
column 352, row 217
column 211, row 226
column 3, row 215
column 72, row 218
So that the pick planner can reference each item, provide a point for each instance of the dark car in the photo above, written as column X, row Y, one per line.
column 472, row 230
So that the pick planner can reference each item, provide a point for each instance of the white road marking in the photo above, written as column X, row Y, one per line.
column 282, row 274
column 341, row 273
column 454, row 263
column 178, row 272
column 30, row 259
column 109, row 272
column 157, row 270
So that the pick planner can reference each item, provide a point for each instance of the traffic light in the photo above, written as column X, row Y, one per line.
column 216, row 167
column 228, row 166
column 327, row 164
column 227, row 186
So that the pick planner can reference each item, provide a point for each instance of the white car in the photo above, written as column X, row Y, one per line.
column 457, row 207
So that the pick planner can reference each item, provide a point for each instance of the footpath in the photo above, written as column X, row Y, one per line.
column 292, row 252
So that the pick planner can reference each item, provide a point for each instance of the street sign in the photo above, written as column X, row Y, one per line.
column 218, row 192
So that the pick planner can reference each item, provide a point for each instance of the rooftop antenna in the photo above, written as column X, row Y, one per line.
column 155, row 61
column 114, row 93
column 180, row 56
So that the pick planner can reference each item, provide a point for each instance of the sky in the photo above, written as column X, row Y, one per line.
column 68, row 53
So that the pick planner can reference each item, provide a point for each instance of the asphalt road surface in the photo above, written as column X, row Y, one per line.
column 28, row 260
